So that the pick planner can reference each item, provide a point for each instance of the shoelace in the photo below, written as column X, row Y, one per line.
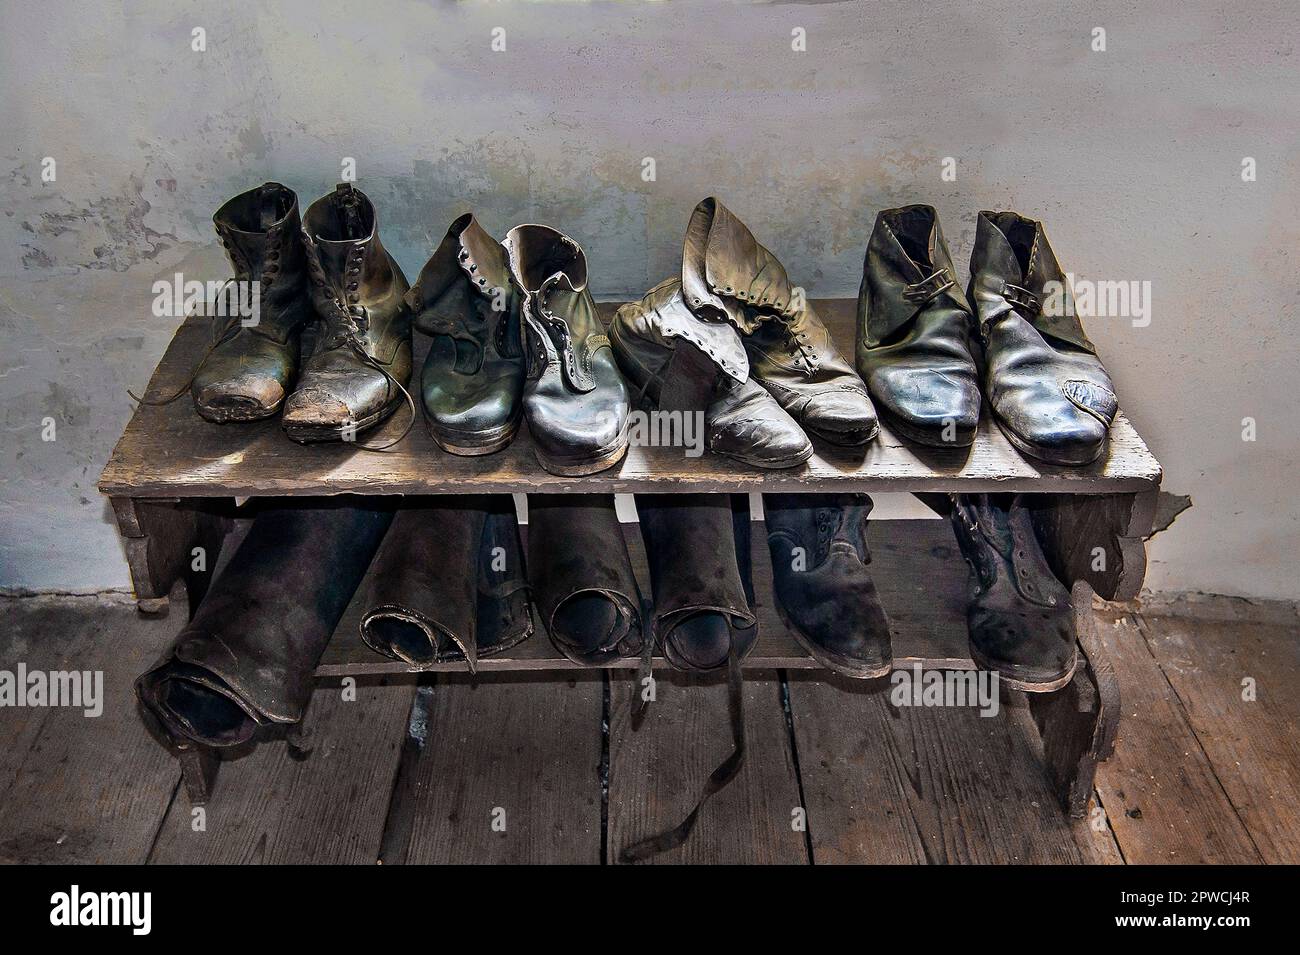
column 727, row 770
column 344, row 329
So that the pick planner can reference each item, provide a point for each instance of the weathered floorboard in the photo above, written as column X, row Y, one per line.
column 658, row 770
column 273, row 806
column 508, row 772
column 1162, row 796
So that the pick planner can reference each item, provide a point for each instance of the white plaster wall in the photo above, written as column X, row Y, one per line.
column 1132, row 157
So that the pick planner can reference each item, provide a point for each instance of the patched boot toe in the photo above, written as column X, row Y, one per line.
column 841, row 417
column 248, row 397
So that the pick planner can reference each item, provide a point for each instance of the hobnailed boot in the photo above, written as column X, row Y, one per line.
column 914, row 332
column 1048, row 389
column 248, row 657
column 697, row 546
column 360, row 367
column 581, row 577
column 823, row 588
column 703, row 592
column 574, row 398
column 448, row 582
column 248, row 372
column 1020, row 621
column 728, row 276
column 473, row 376
column 675, row 361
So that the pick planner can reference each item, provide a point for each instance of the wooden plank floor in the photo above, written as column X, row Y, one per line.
column 1206, row 769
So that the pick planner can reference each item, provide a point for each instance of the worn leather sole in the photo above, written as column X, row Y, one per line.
column 249, row 412
column 771, row 464
column 579, row 465
column 1052, row 455
column 930, row 437
column 844, row 439
column 1024, row 681
column 472, row 444
column 311, row 434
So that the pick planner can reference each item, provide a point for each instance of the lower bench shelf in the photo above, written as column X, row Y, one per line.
column 922, row 582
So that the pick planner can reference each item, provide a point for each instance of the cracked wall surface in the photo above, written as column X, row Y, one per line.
column 1132, row 158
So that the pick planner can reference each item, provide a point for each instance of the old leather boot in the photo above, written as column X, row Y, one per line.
column 703, row 591
column 357, row 374
column 697, row 546
column 581, row 577
column 1020, row 621
column 914, row 332
column 1048, row 389
column 247, row 658
column 823, row 588
column 574, row 398
column 448, row 582
column 249, row 370
column 473, row 376
column 728, row 276
column 676, row 362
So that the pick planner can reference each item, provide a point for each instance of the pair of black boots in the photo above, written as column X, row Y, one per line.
column 917, row 337
column 329, row 272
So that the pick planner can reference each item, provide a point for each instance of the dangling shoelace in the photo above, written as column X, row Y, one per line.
column 343, row 329
column 727, row 770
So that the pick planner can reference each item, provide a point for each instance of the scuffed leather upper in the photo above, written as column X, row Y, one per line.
column 358, row 291
column 464, row 298
column 728, row 275
column 250, row 370
column 742, row 420
column 574, row 398
column 832, row 600
column 1019, row 616
column 914, row 326
column 1043, row 378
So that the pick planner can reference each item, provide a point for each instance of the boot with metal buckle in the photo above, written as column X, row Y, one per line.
column 1047, row 387
column 914, row 332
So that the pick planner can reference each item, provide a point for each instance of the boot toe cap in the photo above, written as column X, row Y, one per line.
column 315, row 408
column 842, row 417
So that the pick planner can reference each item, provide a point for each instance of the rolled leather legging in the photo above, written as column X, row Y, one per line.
column 697, row 546
column 247, row 658
column 448, row 582
column 581, row 577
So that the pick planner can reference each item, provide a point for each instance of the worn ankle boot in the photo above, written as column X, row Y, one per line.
column 581, row 577
column 248, row 372
column 448, row 582
column 473, row 377
column 914, row 332
column 1047, row 387
column 358, row 373
column 728, row 276
column 676, row 362
column 703, row 594
column 574, row 398
column 1020, row 621
column 823, row 588
column 247, row 658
